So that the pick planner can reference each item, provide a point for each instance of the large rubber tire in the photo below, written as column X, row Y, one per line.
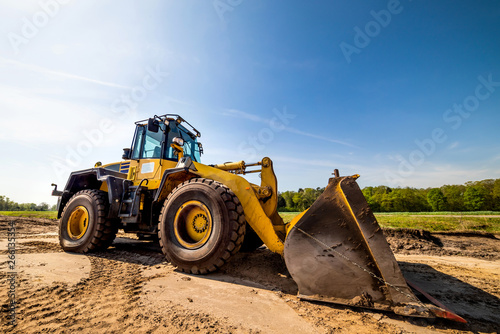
column 97, row 233
column 221, row 226
column 252, row 241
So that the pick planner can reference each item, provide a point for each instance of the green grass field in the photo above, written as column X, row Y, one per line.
column 466, row 223
column 434, row 223
column 430, row 221
column 442, row 213
column 34, row 214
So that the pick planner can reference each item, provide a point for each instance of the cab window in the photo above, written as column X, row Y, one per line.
column 191, row 148
column 147, row 144
column 139, row 135
column 152, row 145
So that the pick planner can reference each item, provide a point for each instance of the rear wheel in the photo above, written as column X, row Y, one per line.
column 201, row 226
column 84, row 226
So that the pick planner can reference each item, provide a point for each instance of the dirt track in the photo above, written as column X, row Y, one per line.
column 130, row 288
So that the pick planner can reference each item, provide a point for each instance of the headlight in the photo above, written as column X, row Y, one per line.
column 179, row 141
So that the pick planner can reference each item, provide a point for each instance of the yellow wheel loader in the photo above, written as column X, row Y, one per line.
column 204, row 214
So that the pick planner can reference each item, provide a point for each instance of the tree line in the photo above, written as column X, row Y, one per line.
column 472, row 196
column 7, row 205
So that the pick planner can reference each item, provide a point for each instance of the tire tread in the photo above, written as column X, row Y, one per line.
column 237, row 223
column 106, row 229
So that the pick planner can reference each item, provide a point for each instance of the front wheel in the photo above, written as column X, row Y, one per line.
column 201, row 226
column 83, row 226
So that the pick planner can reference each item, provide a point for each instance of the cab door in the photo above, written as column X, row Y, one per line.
column 147, row 153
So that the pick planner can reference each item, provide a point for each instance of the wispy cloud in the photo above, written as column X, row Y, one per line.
column 49, row 72
column 173, row 100
column 245, row 115
column 45, row 118
column 437, row 174
column 256, row 118
column 292, row 130
column 21, row 5
column 318, row 163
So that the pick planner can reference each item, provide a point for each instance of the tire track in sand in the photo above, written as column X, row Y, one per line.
column 104, row 301
column 107, row 301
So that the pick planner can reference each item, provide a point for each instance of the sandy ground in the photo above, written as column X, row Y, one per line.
column 131, row 289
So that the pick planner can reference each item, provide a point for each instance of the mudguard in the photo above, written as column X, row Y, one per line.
column 92, row 178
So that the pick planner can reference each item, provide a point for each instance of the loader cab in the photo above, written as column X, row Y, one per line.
column 151, row 144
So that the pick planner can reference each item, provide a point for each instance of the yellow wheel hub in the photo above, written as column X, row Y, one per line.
column 78, row 222
column 193, row 224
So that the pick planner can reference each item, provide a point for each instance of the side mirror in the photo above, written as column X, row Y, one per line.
column 153, row 125
column 126, row 154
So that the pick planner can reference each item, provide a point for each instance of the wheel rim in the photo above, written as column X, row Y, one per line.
column 193, row 224
column 78, row 222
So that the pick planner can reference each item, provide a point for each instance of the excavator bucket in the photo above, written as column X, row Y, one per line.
column 336, row 252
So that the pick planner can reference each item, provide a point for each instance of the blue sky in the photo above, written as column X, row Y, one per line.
column 405, row 93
